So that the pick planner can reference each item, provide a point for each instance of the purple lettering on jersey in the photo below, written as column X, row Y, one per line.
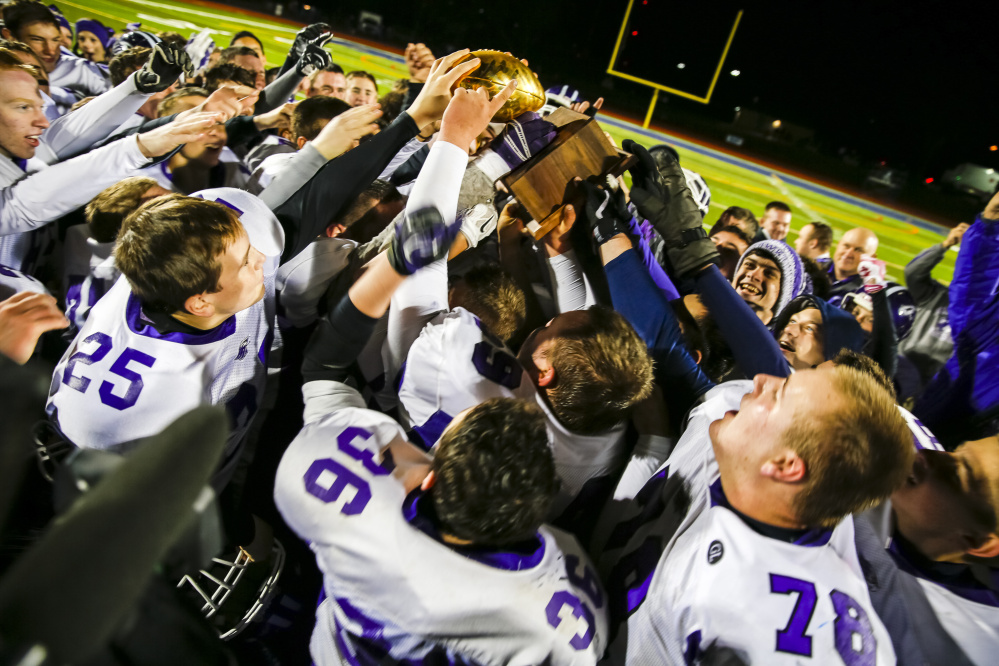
column 496, row 365
column 588, row 582
column 74, row 295
column 562, row 599
column 852, row 626
column 426, row 435
column 103, row 341
column 368, row 646
column 345, row 442
column 792, row 638
column 120, row 368
column 342, row 479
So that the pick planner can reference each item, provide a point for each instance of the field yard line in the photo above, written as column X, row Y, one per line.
column 926, row 225
column 786, row 191
column 218, row 17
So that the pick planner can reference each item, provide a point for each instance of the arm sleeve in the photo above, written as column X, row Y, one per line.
column 918, row 278
column 650, row 453
column 77, row 132
column 648, row 258
column 307, row 212
column 976, row 272
column 754, row 347
column 336, row 343
column 883, row 346
column 278, row 92
column 571, row 289
column 425, row 292
column 64, row 187
column 401, row 158
column 636, row 297
column 412, row 92
column 289, row 179
column 240, row 131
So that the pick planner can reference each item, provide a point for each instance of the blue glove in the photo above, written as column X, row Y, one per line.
column 420, row 239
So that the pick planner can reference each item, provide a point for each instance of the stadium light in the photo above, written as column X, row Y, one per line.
column 680, row 65
column 993, row 148
column 735, row 72
column 775, row 124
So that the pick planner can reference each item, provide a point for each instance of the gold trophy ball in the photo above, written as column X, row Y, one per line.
column 498, row 69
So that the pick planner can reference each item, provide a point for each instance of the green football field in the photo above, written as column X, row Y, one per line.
column 733, row 180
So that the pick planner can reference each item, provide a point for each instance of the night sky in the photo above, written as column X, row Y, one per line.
column 912, row 83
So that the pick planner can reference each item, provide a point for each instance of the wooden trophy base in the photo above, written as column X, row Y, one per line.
column 544, row 184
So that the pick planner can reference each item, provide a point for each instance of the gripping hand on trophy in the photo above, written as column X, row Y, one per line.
column 429, row 105
column 469, row 112
column 662, row 197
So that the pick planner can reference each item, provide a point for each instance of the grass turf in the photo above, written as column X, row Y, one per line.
column 733, row 180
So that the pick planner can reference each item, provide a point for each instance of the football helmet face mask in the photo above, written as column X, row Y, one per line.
column 559, row 97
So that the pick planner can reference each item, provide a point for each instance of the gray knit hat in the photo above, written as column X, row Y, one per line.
column 793, row 280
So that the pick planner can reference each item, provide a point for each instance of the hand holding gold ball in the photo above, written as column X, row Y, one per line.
column 495, row 71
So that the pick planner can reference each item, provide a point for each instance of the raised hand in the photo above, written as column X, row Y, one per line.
column 469, row 112
column 444, row 75
column 316, row 34
column 23, row 319
column 419, row 60
column 314, row 58
column 873, row 272
column 662, row 197
column 167, row 62
column 606, row 211
column 956, row 234
column 278, row 119
column 343, row 132
column 162, row 140
column 421, row 238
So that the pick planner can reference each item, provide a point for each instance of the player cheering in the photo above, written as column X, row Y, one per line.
column 506, row 589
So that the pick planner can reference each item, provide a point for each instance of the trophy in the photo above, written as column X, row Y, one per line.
column 544, row 184
column 495, row 71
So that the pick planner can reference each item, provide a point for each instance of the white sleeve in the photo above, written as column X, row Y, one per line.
column 79, row 130
column 649, row 455
column 425, row 293
column 572, row 289
column 51, row 193
column 324, row 397
column 401, row 158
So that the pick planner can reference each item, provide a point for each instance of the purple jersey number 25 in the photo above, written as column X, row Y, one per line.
column 854, row 638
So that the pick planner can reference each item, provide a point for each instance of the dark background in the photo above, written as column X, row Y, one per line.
column 910, row 84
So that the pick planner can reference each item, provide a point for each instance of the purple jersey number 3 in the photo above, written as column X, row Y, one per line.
column 854, row 638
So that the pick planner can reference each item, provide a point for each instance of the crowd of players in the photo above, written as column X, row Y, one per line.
column 630, row 440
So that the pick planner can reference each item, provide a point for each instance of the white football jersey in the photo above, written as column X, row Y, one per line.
column 685, row 572
column 122, row 380
column 79, row 75
column 967, row 607
column 13, row 281
column 456, row 364
column 89, row 272
column 394, row 592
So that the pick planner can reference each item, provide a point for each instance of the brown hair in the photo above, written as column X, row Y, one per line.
column 10, row 62
column 128, row 61
column 311, row 115
column 170, row 248
column 493, row 296
column 495, row 473
column 361, row 74
column 855, row 455
column 601, row 370
column 106, row 212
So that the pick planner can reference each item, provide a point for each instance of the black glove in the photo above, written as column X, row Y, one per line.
column 420, row 239
column 606, row 212
column 662, row 197
column 315, row 57
column 165, row 65
column 316, row 34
